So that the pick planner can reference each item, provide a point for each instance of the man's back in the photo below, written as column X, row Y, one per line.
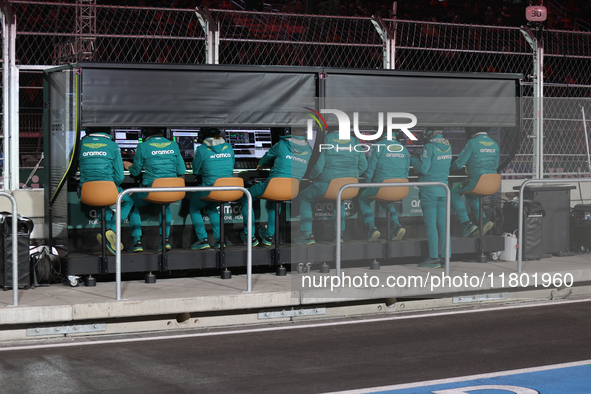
column 160, row 158
column 100, row 159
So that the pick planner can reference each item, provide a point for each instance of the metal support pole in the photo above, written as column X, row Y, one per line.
column 11, row 101
column 394, row 184
column 538, row 76
column 387, row 39
column 212, row 35
column 586, row 138
column 182, row 189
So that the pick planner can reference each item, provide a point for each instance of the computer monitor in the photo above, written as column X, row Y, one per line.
column 249, row 143
column 187, row 140
column 128, row 140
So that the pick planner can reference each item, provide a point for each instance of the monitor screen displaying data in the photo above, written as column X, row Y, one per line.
column 252, row 144
column 187, row 140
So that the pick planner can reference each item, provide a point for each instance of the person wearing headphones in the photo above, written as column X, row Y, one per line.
column 342, row 160
column 100, row 160
column 214, row 159
column 433, row 166
column 158, row 157
column 480, row 156
column 288, row 158
column 387, row 159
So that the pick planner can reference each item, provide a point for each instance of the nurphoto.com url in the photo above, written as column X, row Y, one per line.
column 436, row 281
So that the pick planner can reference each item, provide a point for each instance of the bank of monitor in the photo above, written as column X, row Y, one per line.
column 187, row 140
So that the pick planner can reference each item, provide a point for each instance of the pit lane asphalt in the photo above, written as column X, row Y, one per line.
column 306, row 357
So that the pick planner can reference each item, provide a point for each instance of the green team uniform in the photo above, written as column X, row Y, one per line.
column 100, row 160
column 288, row 158
column 159, row 158
column 387, row 159
column 480, row 156
column 341, row 161
column 214, row 159
column 433, row 164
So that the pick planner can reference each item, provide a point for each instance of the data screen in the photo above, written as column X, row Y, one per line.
column 187, row 140
column 251, row 144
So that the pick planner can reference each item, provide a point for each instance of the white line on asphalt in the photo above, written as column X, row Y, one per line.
column 462, row 378
column 278, row 328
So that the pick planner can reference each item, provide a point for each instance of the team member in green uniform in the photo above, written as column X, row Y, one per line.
column 480, row 156
column 214, row 159
column 100, row 160
column 387, row 159
column 339, row 159
column 287, row 158
column 433, row 164
column 159, row 158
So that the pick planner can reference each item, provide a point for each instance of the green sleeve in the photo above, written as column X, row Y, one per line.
column 181, row 167
column 118, row 169
column 138, row 162
column 197, row 160
column 269, row 158
column 318, row 166
column 463, row 157
column 422, row 163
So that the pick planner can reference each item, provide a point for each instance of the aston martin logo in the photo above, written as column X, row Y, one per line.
column 95, row 145
column 160, row 144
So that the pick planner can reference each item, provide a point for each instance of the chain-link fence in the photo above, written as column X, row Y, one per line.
column 51, row 33
column 297, row 40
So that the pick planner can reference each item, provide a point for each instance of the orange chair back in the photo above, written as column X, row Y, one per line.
column 281, row 189
column 390, row 194
column 336, row 184
column 166, row 197
column 99, row 193
column 225, row 196
column 487, row 184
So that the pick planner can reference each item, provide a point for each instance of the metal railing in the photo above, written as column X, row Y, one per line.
column 14, row 247
column 521, row 189
column 183, row 189
column 394, row 184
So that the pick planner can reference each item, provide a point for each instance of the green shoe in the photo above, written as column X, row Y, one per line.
column 111, row 238
column 136, row 247
column 200, row 245
column 266, row 239
column 309, row 240
column 255, row 241
column 168, row 246
column 468, row 229
column 486, row 226
column 430, row 263
column 398, row 233
column 372, row 236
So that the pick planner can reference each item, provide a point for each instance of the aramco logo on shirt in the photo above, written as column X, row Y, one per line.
column 345, row 127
